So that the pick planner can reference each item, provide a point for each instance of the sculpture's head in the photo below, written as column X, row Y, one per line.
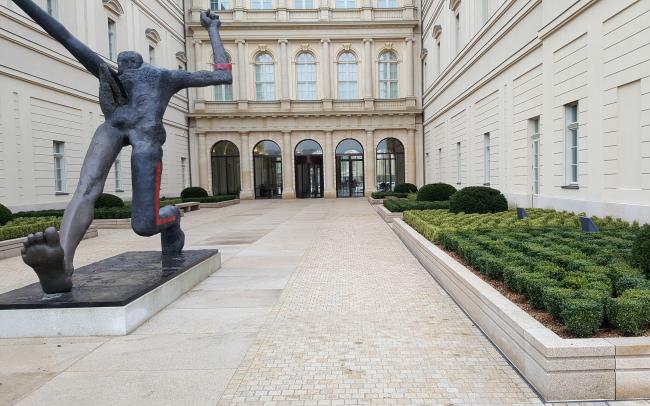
column 128, row 60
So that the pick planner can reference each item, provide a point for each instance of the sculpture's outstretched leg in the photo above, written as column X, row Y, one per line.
column 52, row 257
column 147, row 217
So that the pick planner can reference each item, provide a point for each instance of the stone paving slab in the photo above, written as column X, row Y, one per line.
column 317, row 302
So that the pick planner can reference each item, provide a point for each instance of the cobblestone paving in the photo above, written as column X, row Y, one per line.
column 361, row 322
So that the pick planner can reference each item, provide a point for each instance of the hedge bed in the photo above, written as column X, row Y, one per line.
column 22, row 227
column 402, row 205
column 211, row 199
column 383, row 195
column 583, row 280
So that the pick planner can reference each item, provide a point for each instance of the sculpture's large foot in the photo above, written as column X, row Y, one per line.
column 43, row 252
column 173, row 240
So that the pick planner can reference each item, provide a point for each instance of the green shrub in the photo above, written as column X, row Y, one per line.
column 5, row 215
column 406, row 188
column 478, row 199
column 554, row 299
column 383, row 195
column 510, row 273
column 210, row 199
column 39, row 213
column 106, row 200
column 534, row 289
column 628, row 314
column 582, row 317
column 113, row 213
column 435, row 192
column 23, row 228
column 194, row 192
column 641, row 250
column 628, row 282
column 402, row 205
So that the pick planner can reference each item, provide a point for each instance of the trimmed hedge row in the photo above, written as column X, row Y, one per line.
column 383, row 195
column 23, row 227
column 402, row 205
column 582, row 279
column 435, row 192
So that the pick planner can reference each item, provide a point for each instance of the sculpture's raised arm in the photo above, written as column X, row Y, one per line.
column 89, row 59
column 222, row 73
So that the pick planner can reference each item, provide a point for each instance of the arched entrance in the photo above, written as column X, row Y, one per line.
column 308, row 158
column 267, row 168
column 390, row 164
column 349, row 169
column 225, row 169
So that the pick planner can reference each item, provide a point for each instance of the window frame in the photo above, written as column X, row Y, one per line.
column 58, row 154
column 348, row 67
column 117, row 170
column 535, row 135
column 459, row 157
column 487, row 156
column 264, row 87
column 310, row 83
column 571, row 142
column 303, row 4
column 224, row 92
column 220, row 5
column 346, row 4
column 388, row 86
column 261, row 4
column 111, row 26
column 387, row 4
column 52, row 8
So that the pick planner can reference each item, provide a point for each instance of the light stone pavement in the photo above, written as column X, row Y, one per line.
column 317, row 303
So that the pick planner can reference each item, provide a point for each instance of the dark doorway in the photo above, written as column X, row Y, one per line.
column 309, row 170
column 390, row 164
column 349, row 169
column 225, row 169
column 267, row 168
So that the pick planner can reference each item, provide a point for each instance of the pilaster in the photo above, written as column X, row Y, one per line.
column 245, row 168
column 288, row 191
column 370, row 177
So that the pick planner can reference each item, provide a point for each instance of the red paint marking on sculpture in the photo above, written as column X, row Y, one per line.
column 223, row 66
column 159, row 221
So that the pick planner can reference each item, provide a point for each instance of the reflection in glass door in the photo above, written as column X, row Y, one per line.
column 349, row 169
column 267, row 166
column 309, row 169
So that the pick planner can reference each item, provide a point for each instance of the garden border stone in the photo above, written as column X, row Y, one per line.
column 11, row 248
column 559, row 369
column 373, row 201
column 387, row 215
column 219, row 205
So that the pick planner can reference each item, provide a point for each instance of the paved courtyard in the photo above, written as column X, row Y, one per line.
column 317, row 303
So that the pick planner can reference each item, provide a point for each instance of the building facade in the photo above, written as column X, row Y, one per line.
column 325, row 100
column 548, row 101
column 48, row 103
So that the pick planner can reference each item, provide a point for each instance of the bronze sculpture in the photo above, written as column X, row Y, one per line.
column 133, row 100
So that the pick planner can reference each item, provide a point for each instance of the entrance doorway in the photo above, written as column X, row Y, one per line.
column 390, row 164
column 267, row 168
column 225, row 169
column 349, row 169
column 309, row 170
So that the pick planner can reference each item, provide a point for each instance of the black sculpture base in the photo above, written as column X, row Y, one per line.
column 109, row 297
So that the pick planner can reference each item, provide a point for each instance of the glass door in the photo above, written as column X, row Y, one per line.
column 309, row 177
column 349, row 176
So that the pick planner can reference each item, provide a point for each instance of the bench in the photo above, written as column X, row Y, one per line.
column 189, row 206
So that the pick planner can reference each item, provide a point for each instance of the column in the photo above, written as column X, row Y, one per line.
column 368, row 93
column 288, row 191
column 242, row 94
column 203, row 164
column 371, row 159
column 245, row 168
column 198, row 65
column 326, row 79
column 284, row 73
column 419, row 157
column 411, row 156
column 408, row 66
column 328, row 166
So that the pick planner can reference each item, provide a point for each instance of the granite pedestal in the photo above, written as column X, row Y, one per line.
column 110, row 297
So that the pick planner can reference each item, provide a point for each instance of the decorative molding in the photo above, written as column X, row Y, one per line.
column 347, row 47
column 424, row 54
column 114, row 6
column 454, row 5
column 153, row 35
column 181, row 56
column 437, row 30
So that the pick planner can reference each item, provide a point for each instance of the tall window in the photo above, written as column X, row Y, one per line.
column 534, row 128
column 152, row 55
column 261, row 4
column 53, row 8
column 458, row 164
column 264, row 77
column 386, row 3
column 184, row 173
column 457, row 32
column 117, row 166
column 223, row 92
column 346, row 3
column 388, row 75
column 306, row 76
column 486, row 159
column 571, row 143
column 438, row 58
column 304, row 4
column 347, row 80
column 440, row 164
column 59, row 166
column 485, row 10
column 216, row 5
column 112, row 39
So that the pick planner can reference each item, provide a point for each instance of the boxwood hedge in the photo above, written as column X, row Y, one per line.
column 402, row 205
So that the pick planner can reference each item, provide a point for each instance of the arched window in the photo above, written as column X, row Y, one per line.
column 347, row 76
column 267, row 169
column 223, row 92
column 264, row 77
column 349, row 169
column 388, row 75
column 390, row 164
column 225, row 169
column 306, row 76
column 308, row 158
